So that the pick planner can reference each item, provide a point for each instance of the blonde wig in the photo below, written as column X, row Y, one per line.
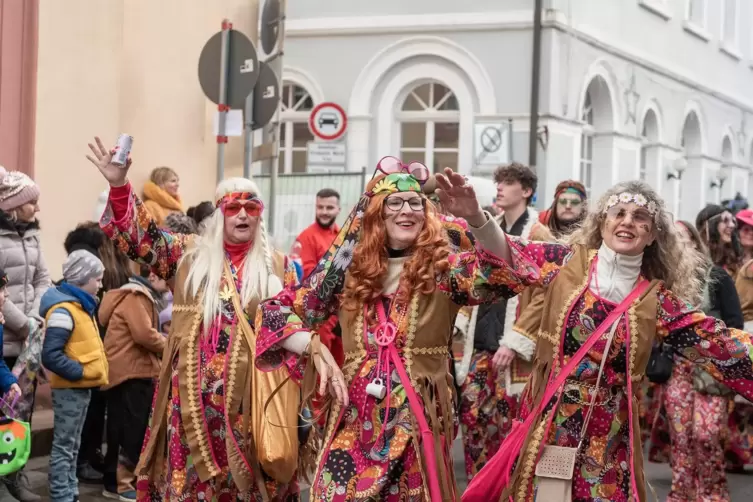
column 208, row 258
column 666, row 259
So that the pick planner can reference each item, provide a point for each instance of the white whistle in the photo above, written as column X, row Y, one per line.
column 376, row 389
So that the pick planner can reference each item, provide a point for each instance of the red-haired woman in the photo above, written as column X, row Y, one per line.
column 397, row 277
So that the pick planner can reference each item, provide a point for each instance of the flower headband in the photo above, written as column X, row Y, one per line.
column 396, row 182
column 634, row 198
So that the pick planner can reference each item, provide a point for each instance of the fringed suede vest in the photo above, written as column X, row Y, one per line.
column 183, row 342
column 544, row 321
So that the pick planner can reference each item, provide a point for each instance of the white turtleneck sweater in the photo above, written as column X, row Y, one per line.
column 615, row 277
column 616, row 274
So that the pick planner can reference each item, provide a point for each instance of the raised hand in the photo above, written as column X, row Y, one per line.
column 458, row 197
column 115, row 175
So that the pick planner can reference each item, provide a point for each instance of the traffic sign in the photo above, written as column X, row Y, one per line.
column 328, row 121
column 266, row 96
column 492, row 143
column 328, row 154
column 270, row 25
column 243, row 68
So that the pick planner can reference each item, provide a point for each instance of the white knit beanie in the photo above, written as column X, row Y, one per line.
column 16, row 189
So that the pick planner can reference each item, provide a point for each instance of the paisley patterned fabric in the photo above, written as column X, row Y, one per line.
column 486, row 411
column 138, row 235
column 371, row 449
column 603, row 468
column 697, row 426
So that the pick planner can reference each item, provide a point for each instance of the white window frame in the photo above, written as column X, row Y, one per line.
column 693, row 27
column 289, row 117
column 430, row 117
column 587, row 137
column 658, row 7
column 730, row 47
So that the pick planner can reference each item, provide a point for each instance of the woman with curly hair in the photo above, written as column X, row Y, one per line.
column 396, row 277
column 615, row 290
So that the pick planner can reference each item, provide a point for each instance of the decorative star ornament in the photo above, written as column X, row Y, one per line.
column 631, row 100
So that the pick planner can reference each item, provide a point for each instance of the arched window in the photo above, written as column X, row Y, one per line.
column 649, row 152
column 596, row 146
column 429, row 131
column 587, row 144
column 296, row 107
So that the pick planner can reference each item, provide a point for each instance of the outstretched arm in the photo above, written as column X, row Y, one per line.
column 724, row 353
column 127, row 222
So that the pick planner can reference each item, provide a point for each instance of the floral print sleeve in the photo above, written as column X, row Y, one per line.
column 548, row 257
column 724, row 353
column 136, row 234
column 477, row 277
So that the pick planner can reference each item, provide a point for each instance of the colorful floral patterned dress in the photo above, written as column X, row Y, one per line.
column 486, row 411
column 604, row 467
column 138, row 236
column 372, row 449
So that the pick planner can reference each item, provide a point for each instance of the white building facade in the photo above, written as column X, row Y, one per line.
column 655, row 89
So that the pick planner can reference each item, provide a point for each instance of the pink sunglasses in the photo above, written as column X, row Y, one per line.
column 392, row 165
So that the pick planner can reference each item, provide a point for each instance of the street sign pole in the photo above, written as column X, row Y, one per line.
column 222, row 106
column 272, row 134
column 248, row 113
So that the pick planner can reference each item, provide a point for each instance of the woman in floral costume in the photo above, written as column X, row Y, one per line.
column 196, row 446
column 397, row 277
column 627, row 249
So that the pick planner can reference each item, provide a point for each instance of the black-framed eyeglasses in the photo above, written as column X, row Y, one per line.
column 396, row 204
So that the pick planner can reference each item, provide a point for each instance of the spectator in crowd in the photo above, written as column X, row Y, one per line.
column 567, row 210
column 89, row 237
column 75, row 357
column 134, row 345
column 8, row 382
column 180, row 224
column 200, row 213
column 28, row 279
column 166, row 319
column 161, row 194
column 317, row 237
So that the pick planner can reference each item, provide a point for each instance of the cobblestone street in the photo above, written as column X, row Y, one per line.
column 741, row 486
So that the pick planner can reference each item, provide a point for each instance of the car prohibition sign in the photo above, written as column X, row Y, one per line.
column 328, row 121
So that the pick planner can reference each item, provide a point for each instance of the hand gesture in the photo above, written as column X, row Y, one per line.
column 458, row 197
column 503, row 358
column 330, row 375
column 116, row 175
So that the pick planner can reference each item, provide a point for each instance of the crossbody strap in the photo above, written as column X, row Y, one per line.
column 604, row 358
column 552, row 389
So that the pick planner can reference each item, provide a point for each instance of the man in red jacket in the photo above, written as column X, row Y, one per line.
column 316, row 239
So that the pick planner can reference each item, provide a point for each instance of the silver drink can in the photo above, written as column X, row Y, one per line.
column 122, row 149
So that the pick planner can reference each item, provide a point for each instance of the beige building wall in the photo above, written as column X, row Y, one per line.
column 112, row 66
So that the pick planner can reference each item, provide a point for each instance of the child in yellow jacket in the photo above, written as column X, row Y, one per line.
column 75, row 357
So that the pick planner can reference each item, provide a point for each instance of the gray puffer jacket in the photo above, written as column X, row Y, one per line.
column 28, row 279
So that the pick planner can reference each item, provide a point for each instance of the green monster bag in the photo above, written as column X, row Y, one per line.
column 15, row 443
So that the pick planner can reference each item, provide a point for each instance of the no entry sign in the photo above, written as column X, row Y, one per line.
column 328, row 121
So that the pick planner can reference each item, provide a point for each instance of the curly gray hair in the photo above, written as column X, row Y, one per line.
column 667, row 259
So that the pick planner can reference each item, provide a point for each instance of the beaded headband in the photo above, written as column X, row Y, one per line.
column 632, row 198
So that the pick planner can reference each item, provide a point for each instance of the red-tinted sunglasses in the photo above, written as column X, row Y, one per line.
column 232, row 207
column 392, row 165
